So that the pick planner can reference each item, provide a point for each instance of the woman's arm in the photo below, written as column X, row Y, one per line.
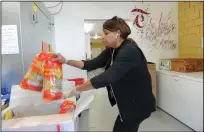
column 63, row 60
column 98, row 62
column 75, row 63
column 126, row 59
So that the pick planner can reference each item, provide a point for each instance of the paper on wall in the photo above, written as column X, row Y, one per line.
column 9, row 39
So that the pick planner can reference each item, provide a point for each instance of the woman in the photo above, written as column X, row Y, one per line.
column 126, row 76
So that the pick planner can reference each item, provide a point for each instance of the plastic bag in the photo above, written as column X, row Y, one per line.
column 52, row 83
column 66, row 106
column 33, row 79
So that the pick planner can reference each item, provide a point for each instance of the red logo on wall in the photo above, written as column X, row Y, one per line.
column 139, row 16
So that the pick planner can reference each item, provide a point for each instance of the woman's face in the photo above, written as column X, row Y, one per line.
column 109, row 38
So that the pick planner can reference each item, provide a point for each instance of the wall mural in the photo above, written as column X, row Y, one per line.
column 158, row 34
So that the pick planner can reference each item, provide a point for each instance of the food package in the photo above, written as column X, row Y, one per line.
column 66, row 106
column 182, row 64
column 52, row 83
column 33, row 79
column 10, row 115
column 187, row 64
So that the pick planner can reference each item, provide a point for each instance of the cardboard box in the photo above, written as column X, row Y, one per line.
column 35, row 114
column 22, row 96
column 181, row 64
column 152, row 71
column 44, row 116
column 187, row 65
column 39, row 117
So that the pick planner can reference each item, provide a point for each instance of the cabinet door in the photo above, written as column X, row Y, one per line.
column 11, row 64
column 181, row 98
column 30, row 35
column 33, row 33
column 44, row 29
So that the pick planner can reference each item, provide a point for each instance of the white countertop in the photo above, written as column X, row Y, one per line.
column 195, row 76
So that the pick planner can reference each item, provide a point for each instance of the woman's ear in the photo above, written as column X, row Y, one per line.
column 118, row 33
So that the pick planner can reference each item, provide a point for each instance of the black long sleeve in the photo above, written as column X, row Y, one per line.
column 126, row 59
column 127, row 80
column 98, row 62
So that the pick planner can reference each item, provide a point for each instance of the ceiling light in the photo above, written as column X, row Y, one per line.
column 88, row 27
column 96, row 36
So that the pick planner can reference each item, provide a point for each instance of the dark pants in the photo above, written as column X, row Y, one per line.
column 128, row 126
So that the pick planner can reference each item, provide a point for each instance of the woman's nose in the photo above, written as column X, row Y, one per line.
column 103, row 39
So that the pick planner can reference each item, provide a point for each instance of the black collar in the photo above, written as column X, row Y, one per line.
column 117, row 49
column 122, row 44
column 125, row 41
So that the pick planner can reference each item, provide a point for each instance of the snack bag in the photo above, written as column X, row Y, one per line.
column 33, row 79
column 52, row 84
column 66, row 106
column 10, row 115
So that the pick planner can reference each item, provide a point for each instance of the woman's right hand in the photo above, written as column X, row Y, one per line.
column 60, row 58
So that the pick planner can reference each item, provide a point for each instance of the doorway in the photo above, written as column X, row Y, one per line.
column 94, row 33
column 97, row 47
column 93, row 30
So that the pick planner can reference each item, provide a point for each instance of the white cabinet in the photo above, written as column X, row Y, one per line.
column 181, row 95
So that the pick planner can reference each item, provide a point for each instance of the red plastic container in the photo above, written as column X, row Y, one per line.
column 77, row 81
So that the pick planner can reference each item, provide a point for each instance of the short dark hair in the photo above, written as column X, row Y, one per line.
column 114, row 24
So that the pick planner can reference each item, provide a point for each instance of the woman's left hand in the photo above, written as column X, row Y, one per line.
column 69, row 94
column 83, row 87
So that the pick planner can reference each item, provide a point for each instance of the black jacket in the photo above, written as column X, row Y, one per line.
column 128, row 80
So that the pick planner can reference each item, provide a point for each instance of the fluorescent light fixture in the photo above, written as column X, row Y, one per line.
column 96, row 36
column 88, row 27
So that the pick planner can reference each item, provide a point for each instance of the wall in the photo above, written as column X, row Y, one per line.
column 70, row 37
column 190, row 29
column 88, row 46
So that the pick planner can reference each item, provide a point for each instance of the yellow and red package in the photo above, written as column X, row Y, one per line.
column 10, row 114
column 66, row 106
column 52, row 83
column 33, row 79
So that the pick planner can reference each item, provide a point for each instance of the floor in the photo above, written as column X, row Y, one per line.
column 101, row 116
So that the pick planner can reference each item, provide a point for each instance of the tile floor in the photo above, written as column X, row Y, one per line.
column 101, row 116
